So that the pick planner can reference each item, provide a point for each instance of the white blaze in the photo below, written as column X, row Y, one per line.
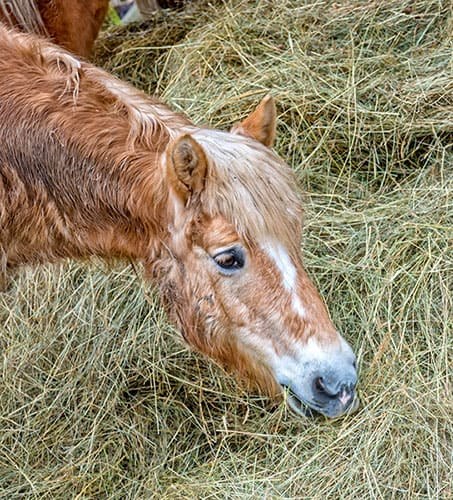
column 288, row 271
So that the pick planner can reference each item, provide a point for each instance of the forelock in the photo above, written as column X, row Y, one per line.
column 251, row 187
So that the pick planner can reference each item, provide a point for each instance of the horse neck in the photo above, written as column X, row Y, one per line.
column 80, row 158
column 57, row 203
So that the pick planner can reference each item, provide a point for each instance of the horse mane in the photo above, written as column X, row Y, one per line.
column 25, row 14
column 147, row 116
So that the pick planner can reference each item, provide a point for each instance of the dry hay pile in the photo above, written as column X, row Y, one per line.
column 98, row 398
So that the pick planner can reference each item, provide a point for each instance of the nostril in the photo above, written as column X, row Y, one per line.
column 319, row 385
column 324, row 390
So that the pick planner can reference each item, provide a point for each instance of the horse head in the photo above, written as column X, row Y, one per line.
column 234, row 278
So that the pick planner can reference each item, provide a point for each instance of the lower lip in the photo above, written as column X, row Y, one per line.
column 300, row 408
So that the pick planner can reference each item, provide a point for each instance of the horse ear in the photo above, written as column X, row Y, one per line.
column 261, row 123
column 186, row 166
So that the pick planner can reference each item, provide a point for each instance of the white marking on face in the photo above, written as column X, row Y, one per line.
column 288, row 272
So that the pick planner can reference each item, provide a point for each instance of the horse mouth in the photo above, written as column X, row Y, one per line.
column 298, row 406
column 301, row 408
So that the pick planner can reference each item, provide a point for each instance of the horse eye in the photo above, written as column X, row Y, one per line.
column 230, row 260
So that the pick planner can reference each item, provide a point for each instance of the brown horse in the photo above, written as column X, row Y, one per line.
column 89, row 166
column 73, row 24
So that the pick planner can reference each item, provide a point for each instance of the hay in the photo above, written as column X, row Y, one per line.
column 98, row 398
